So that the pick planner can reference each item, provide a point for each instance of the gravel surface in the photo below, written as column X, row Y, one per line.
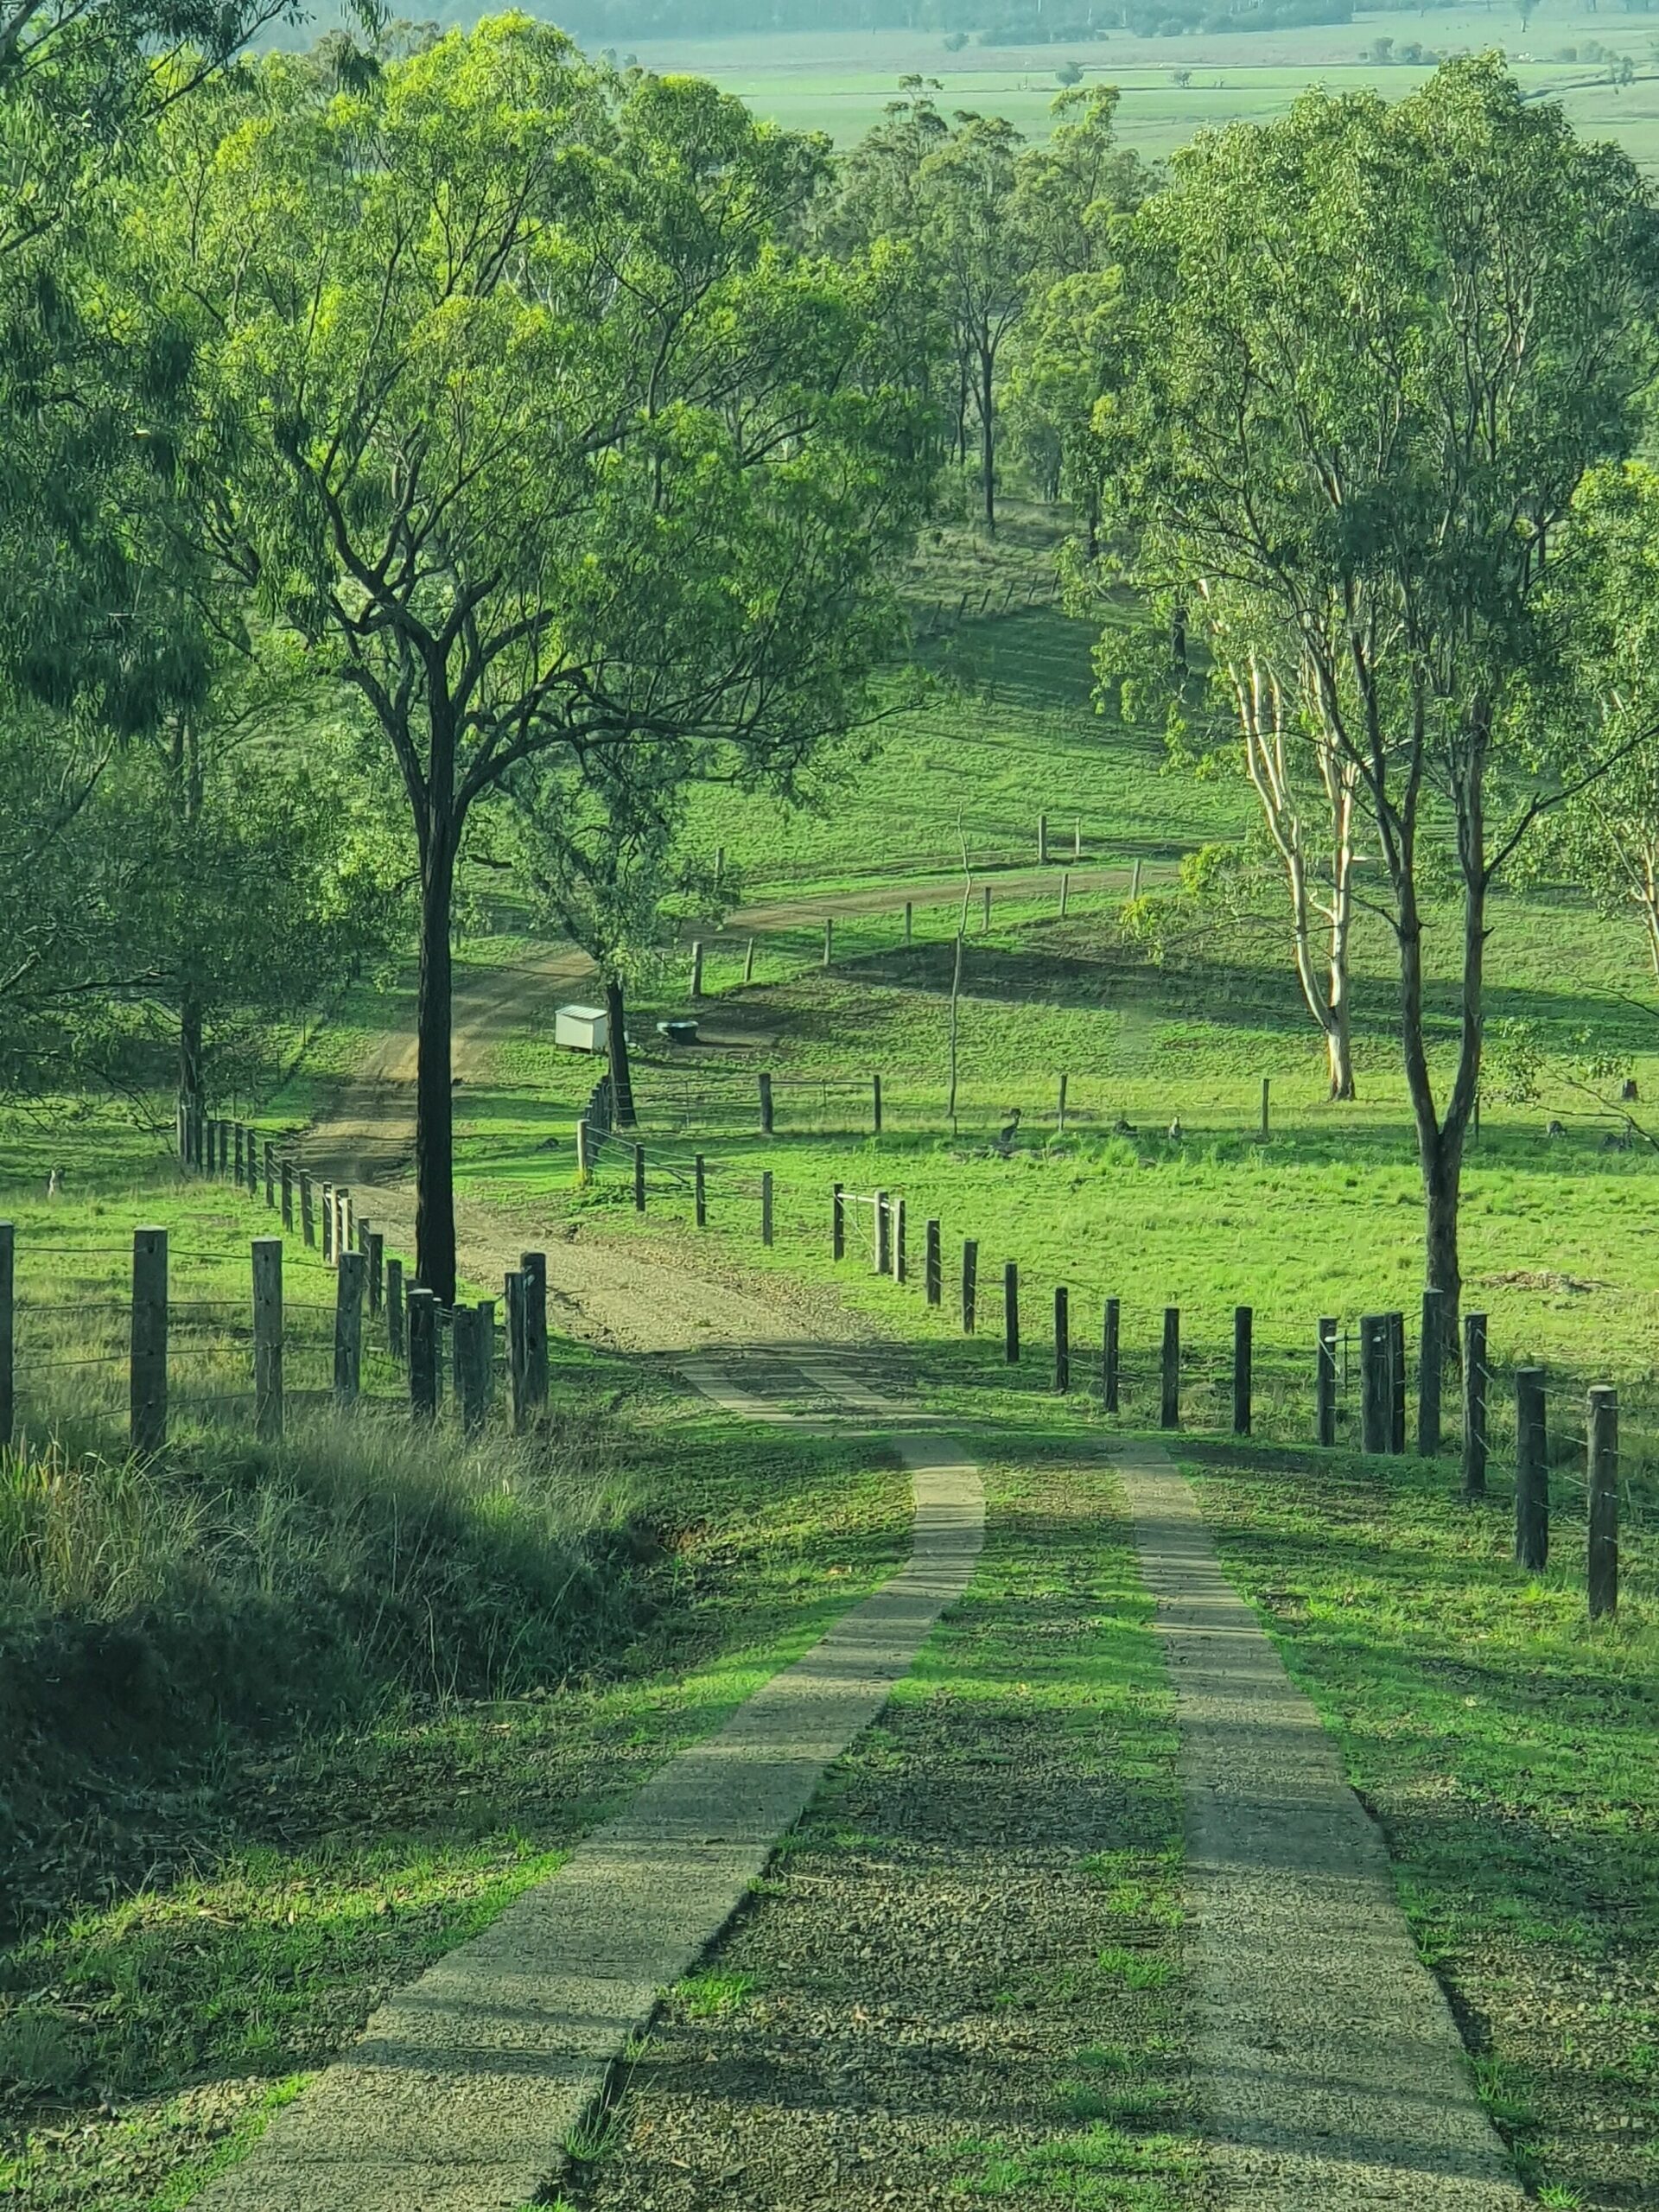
column 952, row 1983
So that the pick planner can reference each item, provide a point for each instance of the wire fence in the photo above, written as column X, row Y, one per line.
column 327, row 1317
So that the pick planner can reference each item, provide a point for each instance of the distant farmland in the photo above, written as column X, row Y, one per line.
column 839, row 82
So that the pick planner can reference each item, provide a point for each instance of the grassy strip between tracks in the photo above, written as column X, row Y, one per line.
column 230, row 1911
column 962, row 1979
column 1511, row 1749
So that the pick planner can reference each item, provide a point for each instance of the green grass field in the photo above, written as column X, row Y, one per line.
column 839, row 83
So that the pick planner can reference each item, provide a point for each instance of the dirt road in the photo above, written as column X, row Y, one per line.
column 621, row 1298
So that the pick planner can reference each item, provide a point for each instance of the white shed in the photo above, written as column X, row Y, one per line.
column 580, row 1027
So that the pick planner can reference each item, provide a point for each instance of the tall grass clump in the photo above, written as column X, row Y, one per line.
column 149, row 1611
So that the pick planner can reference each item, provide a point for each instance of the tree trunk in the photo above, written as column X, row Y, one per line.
column 617, row 1039
column 1339, row 1018
column 988, row 439
column 191, row 1095
column 435, row 1164
column 1439, row 1144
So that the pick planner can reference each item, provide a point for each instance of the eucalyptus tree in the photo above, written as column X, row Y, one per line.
column 1605, row 602
column 517, row 404
column 1076, row 194
column 82, row 84
column 600, row 856
column 1369, row 353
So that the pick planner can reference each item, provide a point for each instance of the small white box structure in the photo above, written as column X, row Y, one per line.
column 580, row 1027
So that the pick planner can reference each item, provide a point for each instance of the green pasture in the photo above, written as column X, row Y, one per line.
column 1010, row 731
column 840, row 84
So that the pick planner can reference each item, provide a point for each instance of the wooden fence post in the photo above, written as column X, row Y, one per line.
column 1324, row 1383
column 970, row 1284
column 1062, row 1339
column 828, row 938
column 268, row 1337
column 766, row 1207
column 1430, row 1354
column 910, row 920
column 396, row 1340
column 749, row 962
column 1042, row 841
column 486, row 1347
column 883, row 1236
column 7, row 1332
column 517, row 1368
column 1135, row 883
column 288, row 1197
column 1396, row 1383
column 1244, row 1328
column 1531, row 1471
column 1376, row 1391
column 466, row 1336
column 584, row 1154
column 270, row 1171
column 1011, row 1312
column 423, row 1353
column 987, row 905
column 899, row 1268
column 534, row 1267
column 1066, row 885
column 328, row 1222
column 766, row 1105
column 1266, row 1120
column 1169, row 1415
column 236, row 1134
column 147, row 1381
column 1077, row 839
column 700, row 1191
column 1109, row 1355
column 837, row 1224
column 932, row 1272
column 696, row 969
column 1060, row 1111
column 348, row 1327
column 638, row 1179
column 1604, row 1501
column 374, row 1251
column 308, row 1217
column 875, row 1103
column 1474, row 1405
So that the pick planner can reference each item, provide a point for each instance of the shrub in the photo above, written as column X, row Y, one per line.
column 148, row 1609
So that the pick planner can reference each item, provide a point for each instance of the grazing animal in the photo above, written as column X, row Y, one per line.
column 1616, row 1140
column 1006, row 1136
column 1627, row 1090
column 1554, row 1130
column 1121, row 1128
column 1175, row 1130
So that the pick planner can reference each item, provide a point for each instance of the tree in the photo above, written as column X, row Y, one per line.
column 975, row 237
column 270, row 876
column 517, row 403
column 81, row 83
column 1372, row 352
column 598, row 853
column 1076, row 192
column 1604, row 605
